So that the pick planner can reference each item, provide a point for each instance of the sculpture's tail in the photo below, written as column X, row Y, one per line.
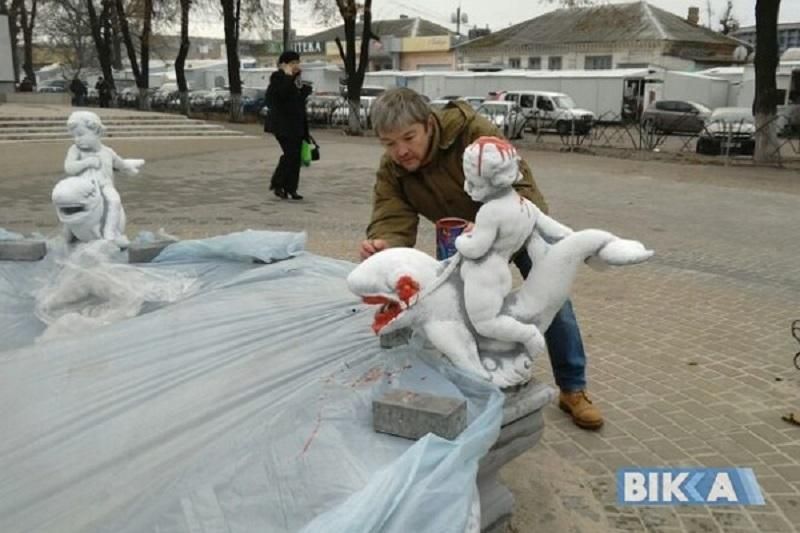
column 555, row 267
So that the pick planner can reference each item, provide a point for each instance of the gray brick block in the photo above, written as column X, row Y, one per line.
column 395, row 338
column 146, row 252
column 412, row 414
column 22, row 250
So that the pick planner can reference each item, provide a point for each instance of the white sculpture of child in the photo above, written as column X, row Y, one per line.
column 504, row 224
column 90, row 157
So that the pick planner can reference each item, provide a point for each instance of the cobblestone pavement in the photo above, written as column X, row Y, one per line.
column 690, row 355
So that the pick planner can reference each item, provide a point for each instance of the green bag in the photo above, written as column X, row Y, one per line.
column 305, row 153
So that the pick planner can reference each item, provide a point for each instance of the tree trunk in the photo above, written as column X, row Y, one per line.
column 230, row 15
column 144, row 45
column 115, row 39
column 287, row 24
column 180, row 61
column 766, row 64
column 27, row 21
column 101, row 44
column 354, row 125
column 355, row 72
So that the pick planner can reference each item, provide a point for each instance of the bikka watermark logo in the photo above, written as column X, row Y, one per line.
column 688, row 486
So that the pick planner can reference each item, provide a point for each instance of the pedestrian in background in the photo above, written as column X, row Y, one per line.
column 286, row 119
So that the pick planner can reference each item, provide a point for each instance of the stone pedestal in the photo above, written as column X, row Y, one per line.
column 22, row 250
column 522, row 427
column 146, row 252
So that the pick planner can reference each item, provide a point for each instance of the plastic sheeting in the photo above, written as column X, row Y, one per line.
column 242, row 405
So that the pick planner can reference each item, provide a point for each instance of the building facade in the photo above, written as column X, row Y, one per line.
column 788, row 36
column 603, row 37
column 405, row 44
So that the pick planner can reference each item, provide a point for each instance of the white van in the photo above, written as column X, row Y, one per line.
column 551, row 110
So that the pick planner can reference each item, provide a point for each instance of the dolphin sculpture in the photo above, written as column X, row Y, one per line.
column 414, row 290
column 81, row 209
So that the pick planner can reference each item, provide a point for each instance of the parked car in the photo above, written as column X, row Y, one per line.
column 507, row 116
column 341, row 114
column 53, row 86
column 728, row 130
column 320, row 108
column 438, row 104
column 675, row 116
column 474, row 101
column 548, row 110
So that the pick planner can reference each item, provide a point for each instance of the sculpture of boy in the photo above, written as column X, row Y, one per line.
column 504, row 224
column 90, row 158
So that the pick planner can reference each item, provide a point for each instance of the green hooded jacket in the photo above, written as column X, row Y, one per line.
column 436, row 189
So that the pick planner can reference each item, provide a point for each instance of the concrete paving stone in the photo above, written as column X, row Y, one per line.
column 661, row 517
column 568, row 450
column 594, row 468
column 790, row 473
column 775, row 459
column 775, row 485
column 700, row 524
column 666, row 450
column 672, row 432
column 732, row 519
column 770, row 522
column 626, row 443
column 790, row 505
column 638, row 430
column 622, row 522
column 751, row 443
column 614, row 460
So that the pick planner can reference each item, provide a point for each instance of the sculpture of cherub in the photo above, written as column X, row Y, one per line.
column 504, row 224
column 90, row 158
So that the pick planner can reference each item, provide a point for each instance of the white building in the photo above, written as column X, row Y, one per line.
column 633, row 35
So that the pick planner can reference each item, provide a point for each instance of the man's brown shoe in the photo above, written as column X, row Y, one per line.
column 580, row 407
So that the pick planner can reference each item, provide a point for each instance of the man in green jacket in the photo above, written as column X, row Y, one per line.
column 421, row 174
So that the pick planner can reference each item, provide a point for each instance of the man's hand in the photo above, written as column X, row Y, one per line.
column 373, row 246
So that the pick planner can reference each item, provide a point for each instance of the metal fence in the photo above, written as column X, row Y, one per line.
column 727, row 141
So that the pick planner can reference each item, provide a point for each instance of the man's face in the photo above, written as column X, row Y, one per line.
column 408, row 146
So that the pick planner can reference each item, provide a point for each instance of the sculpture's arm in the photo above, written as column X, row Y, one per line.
column 551, row 229
column 479, row 241
column 74, row 165
column 128, row 166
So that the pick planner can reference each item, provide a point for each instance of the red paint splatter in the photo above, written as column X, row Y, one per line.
column 503, row 148
column 406, row 288
column 313, row 434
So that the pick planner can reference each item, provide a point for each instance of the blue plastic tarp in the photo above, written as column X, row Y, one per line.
column 234, row 397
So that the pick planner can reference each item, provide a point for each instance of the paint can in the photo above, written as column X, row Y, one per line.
column 447, row 229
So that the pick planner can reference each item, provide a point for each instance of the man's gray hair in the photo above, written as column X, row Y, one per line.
column 399, row 108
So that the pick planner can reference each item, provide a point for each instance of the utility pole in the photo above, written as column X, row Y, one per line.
column 458, row 18
column 287, row 25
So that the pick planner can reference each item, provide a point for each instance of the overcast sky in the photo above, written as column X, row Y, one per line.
column 498, row 14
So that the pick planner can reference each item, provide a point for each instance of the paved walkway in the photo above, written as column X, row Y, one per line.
column 690, row 355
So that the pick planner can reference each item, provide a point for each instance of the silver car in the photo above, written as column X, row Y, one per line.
column 507, row 116
column 675, row 116
column 729, row 130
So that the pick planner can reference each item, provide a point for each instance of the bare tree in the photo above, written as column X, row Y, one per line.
column 728, row 21
column 25, row 12
column 287, row 24
column 101, row 39
column 141, row 66
column 183, row 52
column 354, row 71
column 231, row 17
column 65, row 25
column 766, row 64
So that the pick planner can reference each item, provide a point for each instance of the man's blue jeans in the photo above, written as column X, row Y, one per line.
column 563, row 339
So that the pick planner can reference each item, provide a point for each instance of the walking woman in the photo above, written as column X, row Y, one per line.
column 286, row 99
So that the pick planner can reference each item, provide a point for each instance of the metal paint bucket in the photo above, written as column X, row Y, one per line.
column 447, row 229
